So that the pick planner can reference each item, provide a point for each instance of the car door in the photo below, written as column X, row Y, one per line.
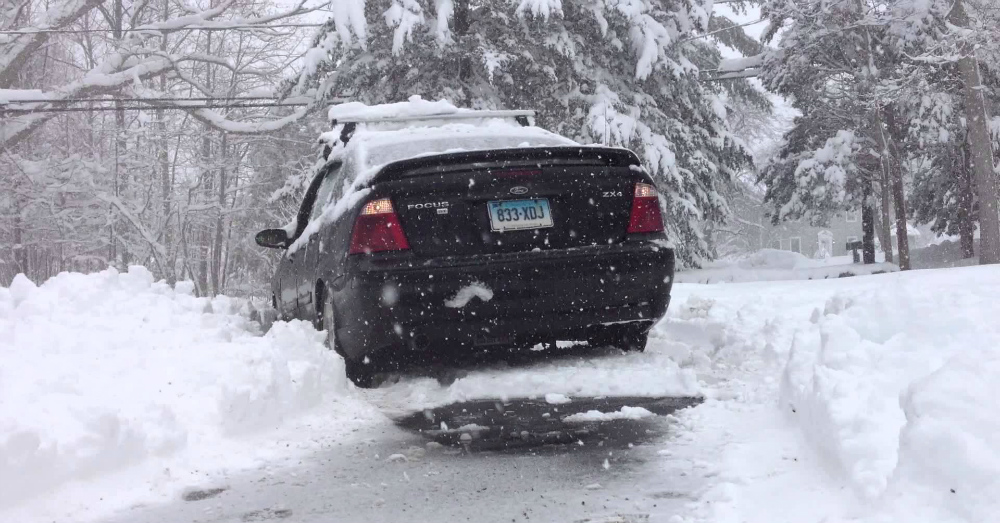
column 303, row 259
column 317, row 245
column 291, row 269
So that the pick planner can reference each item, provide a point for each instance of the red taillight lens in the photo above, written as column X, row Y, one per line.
column 645, row 210
column 377, row 229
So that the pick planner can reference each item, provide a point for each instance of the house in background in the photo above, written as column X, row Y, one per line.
column 751, row 230
column 816, row 242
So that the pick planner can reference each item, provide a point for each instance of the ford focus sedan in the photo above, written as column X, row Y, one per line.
column 426, row 239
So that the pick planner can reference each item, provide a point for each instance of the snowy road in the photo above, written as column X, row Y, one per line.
column 398, row 473
column 867, row 399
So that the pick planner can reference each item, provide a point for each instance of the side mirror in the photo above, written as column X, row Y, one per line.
column 272, row 238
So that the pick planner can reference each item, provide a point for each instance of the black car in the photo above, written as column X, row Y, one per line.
column 431, row 257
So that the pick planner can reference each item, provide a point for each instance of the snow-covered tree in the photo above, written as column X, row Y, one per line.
column 180, row 192
column 613, row 72
column 892, row 73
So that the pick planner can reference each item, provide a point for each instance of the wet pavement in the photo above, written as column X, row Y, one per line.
column 519, row 425
column 514, row 460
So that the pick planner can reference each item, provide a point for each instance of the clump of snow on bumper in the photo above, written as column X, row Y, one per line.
column 467, row 293
column 106, row 370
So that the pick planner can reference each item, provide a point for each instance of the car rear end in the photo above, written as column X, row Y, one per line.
column 476, row 250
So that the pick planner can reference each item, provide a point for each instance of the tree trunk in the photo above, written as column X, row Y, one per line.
column 205, row 241
column 980, row 146
column 166, row 185
column 867, row 222
column 966, row 224
column 121, row 142
column 898, row 192
column 217, row 250
column 884, row 234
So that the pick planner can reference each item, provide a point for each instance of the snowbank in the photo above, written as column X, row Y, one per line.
column 776, row 265
column 949, row 452
column 856, row 399
column 897, row 386
column 105, row 371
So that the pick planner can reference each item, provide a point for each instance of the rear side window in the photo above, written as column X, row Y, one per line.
column 326, row 191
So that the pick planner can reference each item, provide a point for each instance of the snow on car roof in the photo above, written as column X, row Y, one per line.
column 415, row 107
column 426, row 130
column 377, row 145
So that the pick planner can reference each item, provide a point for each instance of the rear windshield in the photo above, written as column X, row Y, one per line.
column 383, row 154
column 377, row 147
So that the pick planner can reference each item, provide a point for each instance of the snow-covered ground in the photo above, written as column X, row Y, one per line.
column 776, row 265
column 111, row 382
column 846, row 399
column 860, row 399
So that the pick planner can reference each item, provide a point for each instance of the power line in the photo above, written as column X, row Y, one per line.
column 724, row 29
column 162, row 30
column 148, row 108
column 143, row 100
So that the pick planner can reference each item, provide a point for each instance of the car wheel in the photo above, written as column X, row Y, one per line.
column 361, row 373
column 633, row 340
column 327, row 322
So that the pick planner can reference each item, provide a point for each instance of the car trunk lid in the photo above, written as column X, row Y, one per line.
column 542, row 199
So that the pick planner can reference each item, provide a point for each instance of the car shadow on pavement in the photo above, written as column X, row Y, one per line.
column 536, row 425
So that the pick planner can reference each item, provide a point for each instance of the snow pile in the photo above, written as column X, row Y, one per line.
column 774, row 259
column 949, row 455
column 596, row 415
column 896, row 387
column 776, row 265
column 105, row 371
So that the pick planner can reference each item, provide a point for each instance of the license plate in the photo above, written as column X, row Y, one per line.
column 514, row 215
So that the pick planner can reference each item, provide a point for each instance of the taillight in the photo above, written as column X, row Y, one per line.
column 377, row 229
column 645, row 210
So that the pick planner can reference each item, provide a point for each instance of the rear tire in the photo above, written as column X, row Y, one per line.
column 360, row 373
column 628, row 339
column 327, row 320
column 634, row 340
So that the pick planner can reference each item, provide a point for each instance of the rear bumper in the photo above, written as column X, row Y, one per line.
column 386, row 306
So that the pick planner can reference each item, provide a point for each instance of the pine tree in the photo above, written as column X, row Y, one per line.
column 608, row 72
column 824, row 63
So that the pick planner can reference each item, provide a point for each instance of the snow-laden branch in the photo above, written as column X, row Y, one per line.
column 157, row 248
column 16, row 51
column 132, row 66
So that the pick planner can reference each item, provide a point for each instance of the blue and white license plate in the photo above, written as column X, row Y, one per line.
column 515, row 215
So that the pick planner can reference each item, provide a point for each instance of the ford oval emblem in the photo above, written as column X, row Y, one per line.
column 520, row 189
